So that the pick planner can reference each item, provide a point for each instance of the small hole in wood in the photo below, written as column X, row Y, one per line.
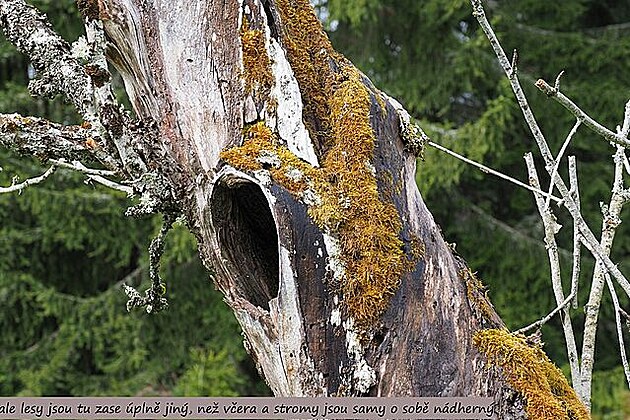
column 248, row 239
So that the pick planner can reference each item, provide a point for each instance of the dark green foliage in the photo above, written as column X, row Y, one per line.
column 66, row 248
column 61, row 344
column 435, row 59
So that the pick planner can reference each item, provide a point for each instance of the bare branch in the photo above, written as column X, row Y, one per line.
column 542, row 321
column 551, row 229
column 581, row 115
column 618, row 311
column 96, row 175
column 556, row 85
column 78, row 166
column 31, row 181
column 577, row 237
column 599, row 251
column 588, row 239
column 111, row 184
column 554, row 172
column 609, row 225
column 514, row 63
column 489, row 170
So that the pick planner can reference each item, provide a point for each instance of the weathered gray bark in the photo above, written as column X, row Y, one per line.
column 280, row 271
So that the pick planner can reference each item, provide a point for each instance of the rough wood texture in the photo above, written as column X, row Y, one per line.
column 182, row 67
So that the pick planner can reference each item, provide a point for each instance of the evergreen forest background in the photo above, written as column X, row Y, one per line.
column 66, row 247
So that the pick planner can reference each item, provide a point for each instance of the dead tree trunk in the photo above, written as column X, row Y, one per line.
column 297, row 177
column 313, row 178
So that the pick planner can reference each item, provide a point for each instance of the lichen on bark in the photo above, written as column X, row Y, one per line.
column 342, row 196
column 343, row 200
column 530, row 372
column 256, row 64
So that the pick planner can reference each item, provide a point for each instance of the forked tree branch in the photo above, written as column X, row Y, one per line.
column 45, row 140
column 588, row 238
column 551, row 229
column 554, row 92
column 582, row 233
column 19, row 187
column 80, row 74
column 558, row 159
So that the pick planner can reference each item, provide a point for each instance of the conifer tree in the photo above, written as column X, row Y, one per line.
column 65, row 250
column 435, row 59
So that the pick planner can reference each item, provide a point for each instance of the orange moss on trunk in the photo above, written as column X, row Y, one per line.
column 342, row 195
column 530, row 372
column 256, row 64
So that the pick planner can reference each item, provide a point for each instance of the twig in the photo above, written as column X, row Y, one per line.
column 622, row 347
column 551, row 229
column 577, row 237
column 542, row 321
column 97, row 176
column 111, row 184
column 581, row 115
column 556, row 166
column 27, row 183
column 486, row 169
column 609, row 225
column 78, row 166
column 556, row 85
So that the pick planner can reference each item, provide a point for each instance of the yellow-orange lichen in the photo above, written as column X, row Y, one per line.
column 318, row 68
column 256, row 63
column 530, row 372
column 342, row 194
column 477, row 295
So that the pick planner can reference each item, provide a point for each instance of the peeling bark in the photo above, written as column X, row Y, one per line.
column 282, row 271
